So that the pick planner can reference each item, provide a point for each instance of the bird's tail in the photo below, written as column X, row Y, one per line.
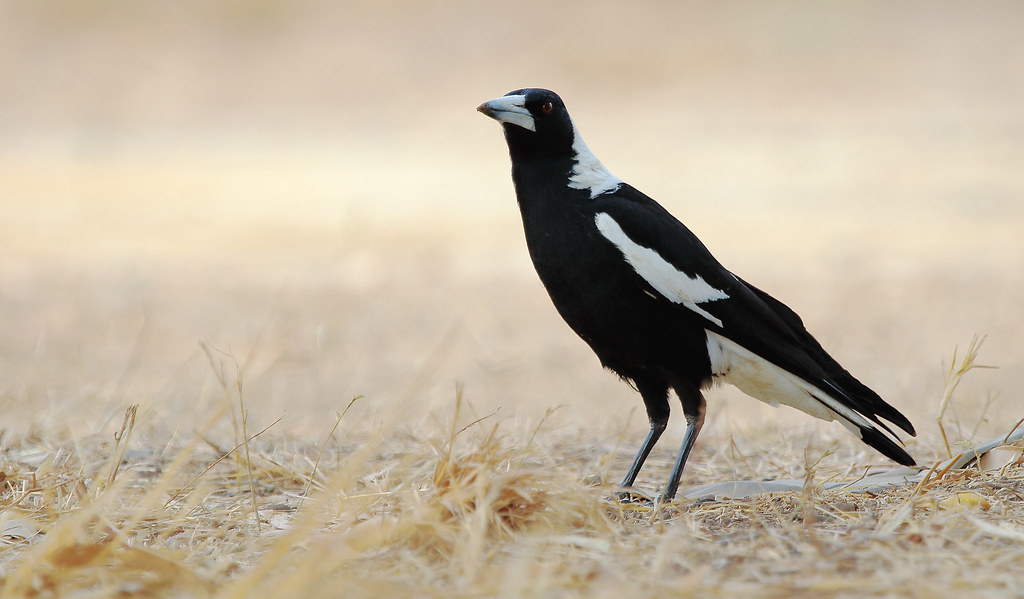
column 867, row 426
column 829, row 396
column 871, row 434
column 875, row 438
column 845, row 398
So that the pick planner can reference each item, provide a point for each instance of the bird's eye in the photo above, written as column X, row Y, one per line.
column 547, row 107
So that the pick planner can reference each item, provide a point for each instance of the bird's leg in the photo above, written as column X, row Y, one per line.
column 657, row 427
column 655, row 396
column 693, row 408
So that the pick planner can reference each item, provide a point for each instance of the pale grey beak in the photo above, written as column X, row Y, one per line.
column 509, row 109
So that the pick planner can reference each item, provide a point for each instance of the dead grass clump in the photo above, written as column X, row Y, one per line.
column 469, row 505
column 95, row 547
column 105, row 566
column 495, row 483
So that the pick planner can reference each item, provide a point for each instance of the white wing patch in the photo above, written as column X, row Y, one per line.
column 588, row 172
column 750, row 373
column 669, row 281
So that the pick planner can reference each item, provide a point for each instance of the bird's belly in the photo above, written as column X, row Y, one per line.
column 761, row 379
column 633, row 333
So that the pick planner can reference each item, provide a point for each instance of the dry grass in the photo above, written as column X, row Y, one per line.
column 471, row 508
column 474, row 508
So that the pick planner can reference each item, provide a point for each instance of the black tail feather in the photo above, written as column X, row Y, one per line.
column 879, row 408
column 876, row 439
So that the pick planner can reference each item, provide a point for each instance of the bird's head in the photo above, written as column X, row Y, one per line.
column 539, row 132
column 533, row 119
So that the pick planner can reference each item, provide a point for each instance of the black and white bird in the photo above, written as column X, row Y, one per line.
column 653, row 303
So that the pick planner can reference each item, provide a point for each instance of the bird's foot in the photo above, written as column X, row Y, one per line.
column 638, row 496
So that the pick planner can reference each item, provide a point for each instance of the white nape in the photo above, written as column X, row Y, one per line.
column 588, row 173
column 672, row 283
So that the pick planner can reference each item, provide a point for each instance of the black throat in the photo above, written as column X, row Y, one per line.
column 540, row 168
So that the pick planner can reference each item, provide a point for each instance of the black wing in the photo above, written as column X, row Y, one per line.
column 750, row 317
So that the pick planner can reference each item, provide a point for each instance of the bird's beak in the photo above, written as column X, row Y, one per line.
column 509, row 109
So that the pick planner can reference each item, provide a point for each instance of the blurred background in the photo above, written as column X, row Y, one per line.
column 305, row 188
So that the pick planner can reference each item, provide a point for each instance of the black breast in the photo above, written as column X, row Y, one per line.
column 631, row 328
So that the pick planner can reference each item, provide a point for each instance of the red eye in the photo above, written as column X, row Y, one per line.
column 547, row 107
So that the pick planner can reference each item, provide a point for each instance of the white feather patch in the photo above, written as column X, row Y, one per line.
column 588, row 172
column 734, row 364
column 674, row 284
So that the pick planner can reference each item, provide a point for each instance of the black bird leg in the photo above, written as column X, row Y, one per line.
column 693, row 408
column 655, row 395
column 657, row 427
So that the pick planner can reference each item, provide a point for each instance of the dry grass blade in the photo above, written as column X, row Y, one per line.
column 956, row 373
column 121, row 442
column 222, row 456
column 323, row 446
column 243, row 417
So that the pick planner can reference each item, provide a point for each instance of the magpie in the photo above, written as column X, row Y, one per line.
column 653, row 303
